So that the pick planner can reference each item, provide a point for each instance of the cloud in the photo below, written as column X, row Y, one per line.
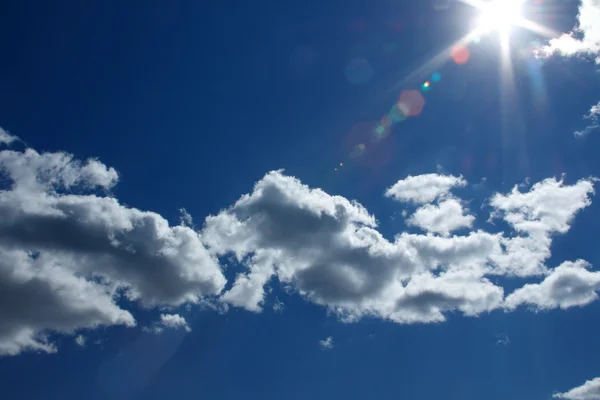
column 157, row 264
column 80, row 340
column 442, row 218
column 71, row 252
column 185, row 218
column 590, row 390
column 546, row 209
column 594, row 117
column 328, row 249
column 326, row 343
column 174, row 321
column 6, row 138
column 425, row 188
column 502, row 339
column 584, row 39
column 168, row 321
column 568, row 285
column 278, row 305
column 38, row 295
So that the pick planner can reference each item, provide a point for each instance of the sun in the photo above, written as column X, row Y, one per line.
column 500, row 15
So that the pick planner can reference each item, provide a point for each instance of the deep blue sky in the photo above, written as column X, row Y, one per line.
column 194, row 101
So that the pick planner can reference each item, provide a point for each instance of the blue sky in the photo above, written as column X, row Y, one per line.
column 299, row 199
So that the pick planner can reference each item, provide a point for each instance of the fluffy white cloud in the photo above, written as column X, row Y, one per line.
column 168, row 321
column 568, row 285
column 6, row 138
column 70, row 254
column 546, row 209
column 38, row 295
column 326, row 343
column 174, row 321
column 590, row 390
column 158, row 264
column 70, row 250
column 442, row 218
column 329, row 250
column 583, row 39
column 425, row 188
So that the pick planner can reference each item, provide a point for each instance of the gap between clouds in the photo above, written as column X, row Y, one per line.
column 69, row 250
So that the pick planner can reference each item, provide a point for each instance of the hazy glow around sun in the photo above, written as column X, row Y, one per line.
column 500, row 15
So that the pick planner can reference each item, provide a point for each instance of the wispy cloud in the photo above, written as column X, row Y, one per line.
column 6, row 138
column 326, row 343
column 594, row 117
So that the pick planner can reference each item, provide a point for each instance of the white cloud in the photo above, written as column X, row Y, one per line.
column 584, row 39
column 137, row 249
column 78, row 252
column 168, row 321
column 80, row 340
column 6, row 138
column 174, row 321
column 328, row 249
column 38, row 295
column 590, row 390
column 546, row 209
column 568, row 285
column 70, row 250
column 425, row 188
column 326, row 343
column 594, row 117
column 442, row 218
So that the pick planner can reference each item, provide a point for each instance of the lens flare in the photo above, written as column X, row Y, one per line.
column 460, row 54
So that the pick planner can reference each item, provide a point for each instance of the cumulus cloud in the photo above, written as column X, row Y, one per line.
column 329, row 250
column 158, row 264
column 326, row 343
column 590, row 390
column 546, row 209
column 6, row 138
column 174, row 321
column 425, row 188
column 584, row 39
column 442, row 218
column 168, row 321
column 37, row 295
column 71, row 251
column 568, row 285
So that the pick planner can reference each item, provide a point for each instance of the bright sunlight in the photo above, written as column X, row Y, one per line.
column 500, row 15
